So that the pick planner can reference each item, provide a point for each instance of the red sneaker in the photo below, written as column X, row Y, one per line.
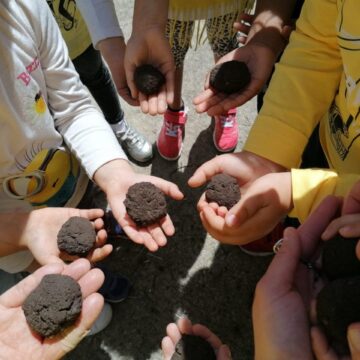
column 169, row 142
column 265, row 245
column 226, row 131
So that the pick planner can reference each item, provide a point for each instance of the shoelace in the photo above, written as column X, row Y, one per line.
column 130, row 136
column 172, row 129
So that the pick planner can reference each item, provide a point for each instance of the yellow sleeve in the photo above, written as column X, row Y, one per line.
column 302, row 88
column 311, row 186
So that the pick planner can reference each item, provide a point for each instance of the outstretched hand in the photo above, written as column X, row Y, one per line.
column 184, row 326
column 42, row 226
column 115, row 178
column 151, row 47
column 17, row 341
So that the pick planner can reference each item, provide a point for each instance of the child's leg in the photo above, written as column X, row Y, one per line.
column 171, row 135
column 96, row 77
column 222, row 39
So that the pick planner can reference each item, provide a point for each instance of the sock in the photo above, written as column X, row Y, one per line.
column 119, row 127
column 182, row 108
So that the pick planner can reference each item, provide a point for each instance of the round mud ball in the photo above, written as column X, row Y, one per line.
column 54, row 305
column 230, row 77
column 145, row 204
column 337, row 306
column 148, row 79
column 191, row 347
column 224, row 190
column 77, row 236
column 339, row 258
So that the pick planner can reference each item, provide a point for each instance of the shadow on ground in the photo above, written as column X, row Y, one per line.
column 218, row 295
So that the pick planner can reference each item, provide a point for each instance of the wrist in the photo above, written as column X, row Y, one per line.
column 113, row 49
column 108, row 176
column 269, row 37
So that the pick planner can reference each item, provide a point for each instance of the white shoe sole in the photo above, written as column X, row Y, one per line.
column 102, row 321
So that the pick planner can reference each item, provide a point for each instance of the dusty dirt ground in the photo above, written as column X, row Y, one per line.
column 212, row 284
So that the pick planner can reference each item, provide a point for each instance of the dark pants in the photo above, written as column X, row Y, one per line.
column 96, row 77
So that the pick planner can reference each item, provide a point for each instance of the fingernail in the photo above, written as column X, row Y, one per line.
column 354, row 340
column 227, row 352
column 230, row 220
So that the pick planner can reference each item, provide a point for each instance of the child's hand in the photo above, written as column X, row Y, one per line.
column 260, row 61
column 115, row 178
column 42, row 226
column 17, row 339
column 262, row 205
column 244, row 166
column 184, row 326
column 150, row 47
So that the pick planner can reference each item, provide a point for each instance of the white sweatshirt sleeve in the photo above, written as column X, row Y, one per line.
column 82, row 126
column 101, row 20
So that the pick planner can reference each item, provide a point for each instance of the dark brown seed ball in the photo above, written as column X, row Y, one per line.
column 148, row 79
column 339, row 259
column 337, row 307
column 145, row 204
column 54, row 305
column 224, row 190
column 230, row 77
column 77, row 236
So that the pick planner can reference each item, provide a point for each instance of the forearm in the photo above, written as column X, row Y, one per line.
column 101, row 19
column 11, row 236
column 268, row 26
column 156, row 14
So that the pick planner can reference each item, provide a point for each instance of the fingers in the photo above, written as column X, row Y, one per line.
column 16, row 295
column 60, row 345
column 281, row 271
column 129, row 71
column 167, row 347
column 100, row 253
column 352, row 201
column 321, row 346
column 91, row 214
column 354, row 340
column 347, row 226
column 205, row 172
column 209, row 336
column 224, row 353
column 91, row 282
column 310, row 231
column 169, row 188
column 174, row 333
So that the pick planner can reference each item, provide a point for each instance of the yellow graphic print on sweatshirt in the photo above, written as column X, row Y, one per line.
column 72, row 25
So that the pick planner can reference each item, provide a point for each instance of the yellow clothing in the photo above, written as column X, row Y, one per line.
column 72, row 25
column 317, row 81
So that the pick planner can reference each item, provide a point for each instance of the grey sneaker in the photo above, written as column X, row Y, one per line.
column 134, row 143
column 102, row 321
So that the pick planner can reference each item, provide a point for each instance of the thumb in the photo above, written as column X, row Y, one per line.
column 129, row 71
column 354, row 340
column 224, row 353
column 245, row 209
column 204, row 173
column 281, row 271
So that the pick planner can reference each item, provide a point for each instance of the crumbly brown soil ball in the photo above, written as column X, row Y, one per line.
column 339, row 258
column 230, row 77
column 224, row 190
column 337, row 307
column 145, row 204
column 148, row 79
column 54, row 305
column 191, row 347
column 77, row 236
